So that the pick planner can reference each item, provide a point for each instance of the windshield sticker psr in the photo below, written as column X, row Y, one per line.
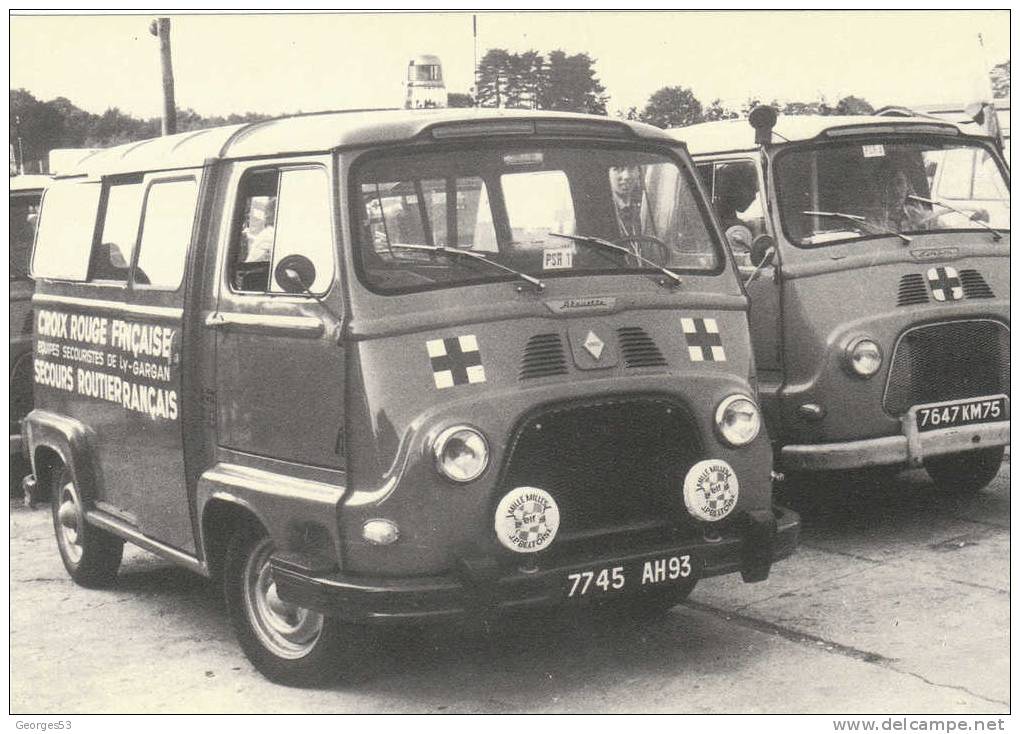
column 559, row 258
column 455, row 361
column 704, row 342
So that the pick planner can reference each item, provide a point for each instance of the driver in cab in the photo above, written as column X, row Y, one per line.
column 626, row 184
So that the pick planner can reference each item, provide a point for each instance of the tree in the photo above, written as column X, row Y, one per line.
column 1000, row 79
column 571, row 85
column 672, row 107
column 854, row 106
column 457, row 99
column 494, row 72
column 716, row 111
column 527, row 79
column 35, row 129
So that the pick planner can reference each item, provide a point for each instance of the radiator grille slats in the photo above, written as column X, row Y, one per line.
column 913, row 290
column 639, row 349
column 948, row 361
column 974, row 286
column 543, row 357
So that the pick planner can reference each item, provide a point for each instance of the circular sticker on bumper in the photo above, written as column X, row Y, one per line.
column 711, row 489
column 527, row 519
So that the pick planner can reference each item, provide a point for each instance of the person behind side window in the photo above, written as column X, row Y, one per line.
column 261, row 232
column 735, row 190
column 627, row 188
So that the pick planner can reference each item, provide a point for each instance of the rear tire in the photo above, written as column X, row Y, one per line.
column 90, row 555
column 288, row 644
column 965, row 472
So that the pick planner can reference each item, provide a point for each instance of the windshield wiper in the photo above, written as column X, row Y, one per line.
column 474, row 256
column 858, row 219
column 936, row 202
column 589, row 240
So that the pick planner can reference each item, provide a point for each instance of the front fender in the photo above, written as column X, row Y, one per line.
column 298, row 514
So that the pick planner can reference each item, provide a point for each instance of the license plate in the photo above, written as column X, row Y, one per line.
column 934, row 417
column 629, row 576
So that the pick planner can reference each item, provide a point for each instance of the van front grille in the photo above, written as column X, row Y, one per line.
column 948, row 361
column 608, row 464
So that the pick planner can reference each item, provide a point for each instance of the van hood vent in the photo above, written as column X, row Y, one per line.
column 543, row 357
column 974, row 286
column 638, row 349
column 913, row 290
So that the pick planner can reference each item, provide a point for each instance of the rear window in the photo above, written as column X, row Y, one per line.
column 67, row 222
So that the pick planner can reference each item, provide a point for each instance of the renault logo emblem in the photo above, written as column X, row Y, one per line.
column 594, row 345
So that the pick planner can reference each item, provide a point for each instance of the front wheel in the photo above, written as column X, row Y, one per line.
column 90, row 555
column 965, row 472
column 288, row 644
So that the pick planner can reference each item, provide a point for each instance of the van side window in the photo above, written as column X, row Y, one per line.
column 282, row 212
column 166, row 233
column 304, row 225
column 738, row 204
column 255, row 232
column 66, row 226
column 111, row 259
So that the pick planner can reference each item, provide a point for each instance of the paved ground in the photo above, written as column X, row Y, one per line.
column 897, row 601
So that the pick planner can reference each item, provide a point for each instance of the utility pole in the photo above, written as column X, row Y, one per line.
column 474, row 34
column 160, row 28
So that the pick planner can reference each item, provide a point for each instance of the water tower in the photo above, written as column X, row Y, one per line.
column 425, row 87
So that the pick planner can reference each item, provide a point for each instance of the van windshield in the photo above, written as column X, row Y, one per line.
column 507, row 204
column 852, row 190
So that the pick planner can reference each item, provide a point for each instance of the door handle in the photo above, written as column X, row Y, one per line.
column 309, row 327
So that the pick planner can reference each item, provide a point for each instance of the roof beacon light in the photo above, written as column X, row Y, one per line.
column 763, row 119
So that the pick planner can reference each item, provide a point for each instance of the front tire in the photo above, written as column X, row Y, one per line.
column 965, row 472
column 288, row 644
column 90, row 555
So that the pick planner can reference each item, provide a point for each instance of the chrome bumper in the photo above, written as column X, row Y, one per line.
column 911, row 447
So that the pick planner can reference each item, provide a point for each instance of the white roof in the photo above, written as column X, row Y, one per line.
column 321, row 132
column 736, row 135
column 29, row 182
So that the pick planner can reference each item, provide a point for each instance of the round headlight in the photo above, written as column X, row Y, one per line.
column 461, row 453
column 864, row 357
column 738, row 420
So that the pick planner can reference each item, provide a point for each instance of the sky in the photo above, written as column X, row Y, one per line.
column 276, row 64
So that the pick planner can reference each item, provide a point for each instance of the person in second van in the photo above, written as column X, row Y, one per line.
column 897, row 211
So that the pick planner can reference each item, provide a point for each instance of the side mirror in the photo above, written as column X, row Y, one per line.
column 295, row 274
column 763, row 250
column 981, row 215
column 763, row 119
